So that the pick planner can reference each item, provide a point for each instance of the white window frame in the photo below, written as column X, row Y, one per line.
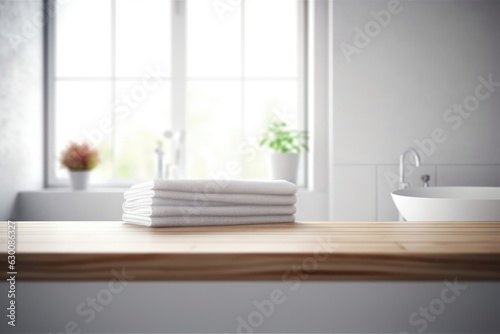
column 314, row 201
column 316, row 100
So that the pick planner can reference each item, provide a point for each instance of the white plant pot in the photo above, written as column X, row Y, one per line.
column 79, row 179
column 284, row 166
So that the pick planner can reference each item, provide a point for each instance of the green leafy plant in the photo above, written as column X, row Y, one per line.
column 80, row 157
column 283, row 140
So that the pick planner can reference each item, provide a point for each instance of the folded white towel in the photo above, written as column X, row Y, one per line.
column 205, row 220
column 157, row 201
column 232, row 210
column 204, row 199
column 211, row 186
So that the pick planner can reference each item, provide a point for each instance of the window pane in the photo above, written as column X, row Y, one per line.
column 82, row 108
column 224, row 51
column 141, row 123
column 142, row 36
column 213, row 41
column 213, row 126
column 267, row 101
column 83, row 38
column 271, row 28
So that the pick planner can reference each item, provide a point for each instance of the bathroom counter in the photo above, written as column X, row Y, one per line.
column 304, row 250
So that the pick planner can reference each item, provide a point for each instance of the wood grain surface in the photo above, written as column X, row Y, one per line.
column 300, row 251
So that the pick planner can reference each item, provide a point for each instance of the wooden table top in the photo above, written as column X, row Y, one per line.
column 303, row 250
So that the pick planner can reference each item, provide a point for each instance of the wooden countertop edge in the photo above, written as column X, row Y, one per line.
column 259, row 267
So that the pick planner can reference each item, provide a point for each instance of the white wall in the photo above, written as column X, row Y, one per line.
column 214, row 307
column 396, row 90
column 21, row 103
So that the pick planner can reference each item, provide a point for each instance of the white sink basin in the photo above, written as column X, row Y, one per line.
column 449, row 203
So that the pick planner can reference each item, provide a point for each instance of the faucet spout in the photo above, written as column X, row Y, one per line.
column 402, row 159
column 176, row 168
column 159, row 160
column 402, row 177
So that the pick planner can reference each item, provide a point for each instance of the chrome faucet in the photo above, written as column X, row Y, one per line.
column 425, row 179
column 402, row 179
column 159, row 159
column 175, row 170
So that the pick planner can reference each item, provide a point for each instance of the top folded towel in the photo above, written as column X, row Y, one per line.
column 184, row 198
column 211, row 186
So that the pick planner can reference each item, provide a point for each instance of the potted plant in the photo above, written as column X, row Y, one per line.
column 80, row 159
column 286, row 144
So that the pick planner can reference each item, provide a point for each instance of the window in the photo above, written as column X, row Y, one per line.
column 122, row 72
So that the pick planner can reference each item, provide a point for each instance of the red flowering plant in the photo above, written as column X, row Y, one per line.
column 80, row 157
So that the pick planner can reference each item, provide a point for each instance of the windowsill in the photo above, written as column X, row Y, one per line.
column 94, row 204
column 105, row 204
column 66, row 190
column 109, row 189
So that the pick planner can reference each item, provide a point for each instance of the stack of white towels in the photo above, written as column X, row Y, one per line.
column 159, row 203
